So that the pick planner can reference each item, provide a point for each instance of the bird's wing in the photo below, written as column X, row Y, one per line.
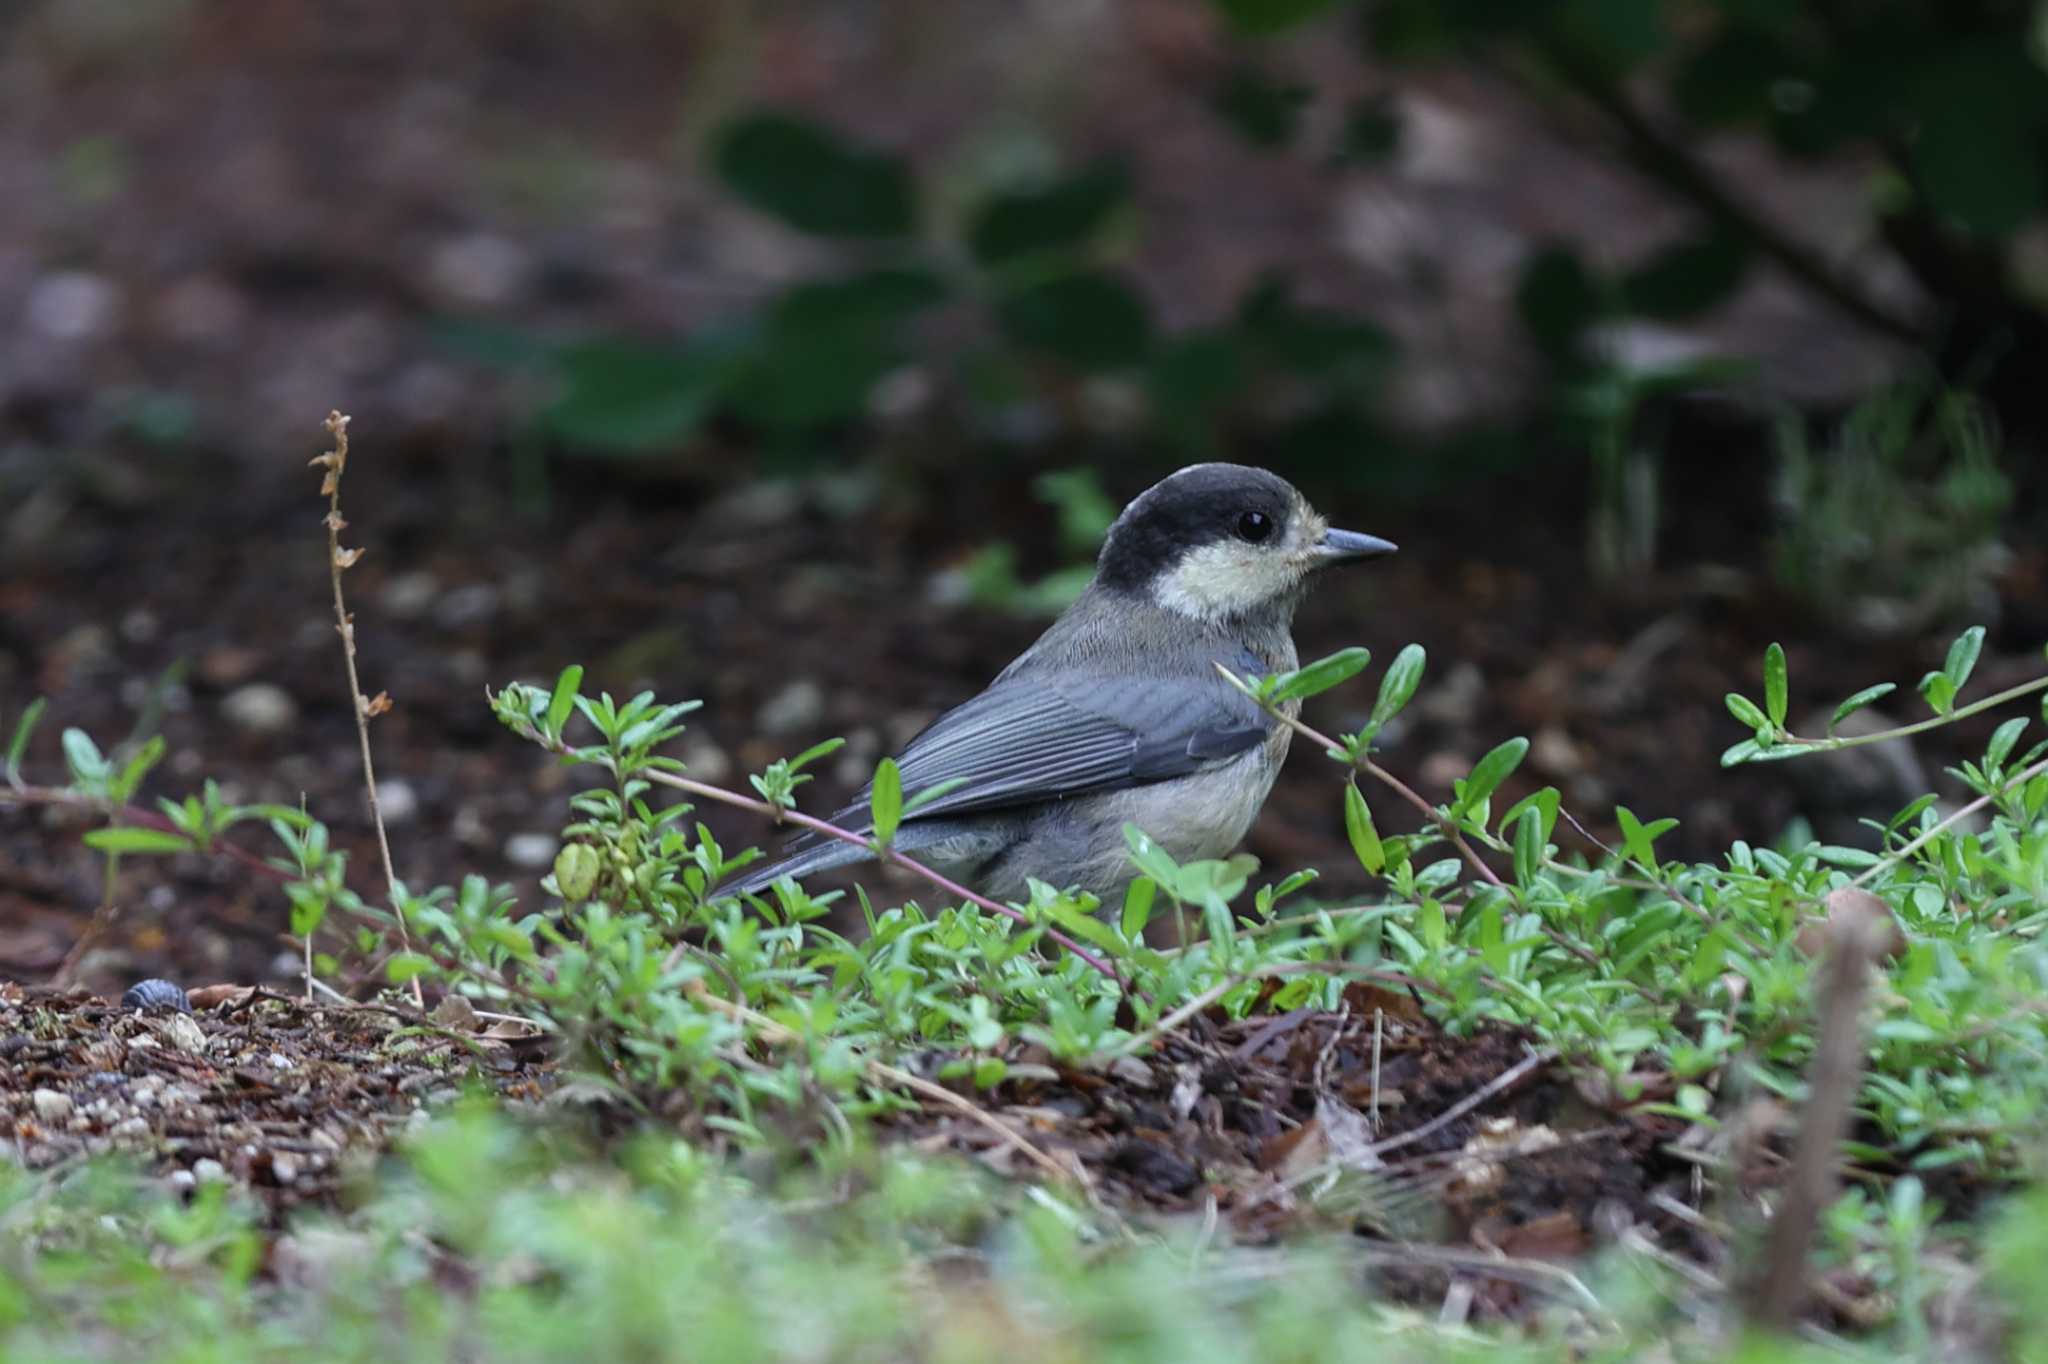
column 1027, row 740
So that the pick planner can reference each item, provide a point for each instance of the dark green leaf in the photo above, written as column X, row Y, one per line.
column 126, row 839
column 1266, row 113
column 1617, row 35
column 625, row 398
column 1775, row 686
column 2002, row 740
column 1311, row 342
column 1260, row 17
column 1978, row 152
column 1063, row 216
column 1323, row 674
column 1090, row 320
column 1687, row 279
column 1557, row 299
column 1729, row 80
column 810, row 178
column 1859, row 701
column 1372, row 132
column 1544, row 802
column 1528, row 847
column 1137, row 910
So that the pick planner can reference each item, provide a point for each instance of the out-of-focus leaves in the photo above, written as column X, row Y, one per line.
column 1557, row 298
column 1686, row 279
column 1258, row 17
column 631, row 398
column 1982, row 109
column 1266, row 112
column 1729, row 79
column 1618, row 35
column 1091, row 320
column 1307, row 340
column 825, row 346
column 1063, row 216
column 1194, row 376
column 812, row 179
column 1372, row 132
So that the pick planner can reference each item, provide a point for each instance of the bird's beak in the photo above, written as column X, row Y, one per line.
column 1343, row 546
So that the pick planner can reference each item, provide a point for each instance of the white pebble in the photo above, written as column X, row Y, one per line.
column 531, row 851
column 260, row 708
column 397, row 801
column 207, row 1168
column 51, row 1106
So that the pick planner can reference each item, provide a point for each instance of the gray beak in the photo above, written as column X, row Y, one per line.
column 1343, row 546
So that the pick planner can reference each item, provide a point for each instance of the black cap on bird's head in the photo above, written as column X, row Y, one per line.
column 1215, row 541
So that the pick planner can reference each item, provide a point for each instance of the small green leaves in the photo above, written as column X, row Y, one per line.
column 1529, row 843
column 1637, row 837
column 1745, row 711
column 1260, row 18
column 1058, row 218
column 18, row 745
column 809, row 177
column 1320, row 676
column 885, row 801
column 1859, row 701
column 1397, row 688
column 1775, row 688
column 1091, row 320
column 1358, row 827
column 1137, row 910
column 1940, row 688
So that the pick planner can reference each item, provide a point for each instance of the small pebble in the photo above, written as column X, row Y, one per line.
column 207, row 1168
column 797, row 708
column 51, row 1106
column 531, row 851
column 283, row 1168
column 185, row 1035
column 73, row 305
column 260, row 708
column 410, row 594
column 130, row 1128
column 470, row 604
column 155, row 994
column 182, row 1179
column 397, row 801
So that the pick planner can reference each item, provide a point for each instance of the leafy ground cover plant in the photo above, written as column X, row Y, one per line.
column 1676, row 992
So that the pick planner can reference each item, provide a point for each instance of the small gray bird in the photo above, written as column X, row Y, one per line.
column 1117, row 713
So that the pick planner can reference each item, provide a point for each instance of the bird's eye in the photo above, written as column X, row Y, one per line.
column 1254, row 526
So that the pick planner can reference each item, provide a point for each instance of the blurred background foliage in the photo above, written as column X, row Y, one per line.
column 1535, row 235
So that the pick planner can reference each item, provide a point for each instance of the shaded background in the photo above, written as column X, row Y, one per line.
column 792, row 356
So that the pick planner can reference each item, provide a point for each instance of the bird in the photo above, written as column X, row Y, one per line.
column 1117, row 713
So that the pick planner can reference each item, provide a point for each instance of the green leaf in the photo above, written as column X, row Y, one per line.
column 1372, row 132
column 931, row 793
column 1151, row 859
column 885, row 801
column 1061, row 217
column 1637, row 839
column 18, row 745
column 1323, row 674
column 1544, row 802
column 1939, row 692
column 1259, row 18
column 809, row 177
column 562, row 701
column 1745, row 711
column 2002, row 740
column 1265, row 112
column 404, row 966
column 1687, row 279
column 82, row 755
column 1137, row 911
column 128, row 839
column 1489, row 772
column 1977, row 152
column 1091, row 320
column 1775, row 687
column 1859, row 701
column 1557, row 298
column 1529, row 844
column 1397, row 688
column 1358, row 827
column 1962, row 656
column 630, row 398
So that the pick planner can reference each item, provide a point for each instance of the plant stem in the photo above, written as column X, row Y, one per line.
column 1892, row 859
column 1832, row 742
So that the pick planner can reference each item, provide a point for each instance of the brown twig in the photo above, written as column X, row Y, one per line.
column 831, row 830
column 339, row 560
column 1861, row 928
column 1504, row 1080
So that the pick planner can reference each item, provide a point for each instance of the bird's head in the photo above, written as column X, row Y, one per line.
column 1218, row 542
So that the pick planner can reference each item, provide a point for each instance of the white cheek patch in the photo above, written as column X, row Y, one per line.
column 1223, row 579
